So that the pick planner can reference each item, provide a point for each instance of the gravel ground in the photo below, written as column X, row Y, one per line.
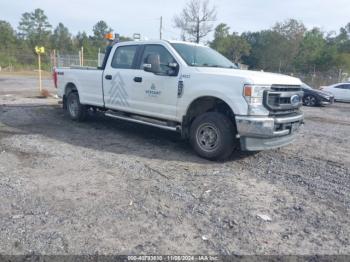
column 117, row 188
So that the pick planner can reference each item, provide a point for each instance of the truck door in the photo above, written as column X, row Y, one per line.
column 118, row 78
column 156, row 94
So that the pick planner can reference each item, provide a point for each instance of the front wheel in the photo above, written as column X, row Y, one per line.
column 213, row 136
column 76, row 111
column 310, row 100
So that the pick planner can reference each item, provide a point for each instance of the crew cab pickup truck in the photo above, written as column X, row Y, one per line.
column 190, row 89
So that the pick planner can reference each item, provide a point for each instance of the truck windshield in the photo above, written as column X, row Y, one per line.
column 201, row 56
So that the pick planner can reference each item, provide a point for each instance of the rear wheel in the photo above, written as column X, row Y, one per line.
column 76, row 111
column 213, row 136
column 310, row 100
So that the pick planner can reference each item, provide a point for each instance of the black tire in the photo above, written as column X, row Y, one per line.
column 75, row 110
column 213, row 136
column 310, row 100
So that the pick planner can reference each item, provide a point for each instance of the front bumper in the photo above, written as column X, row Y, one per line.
column 262, row 133
column 326, row 101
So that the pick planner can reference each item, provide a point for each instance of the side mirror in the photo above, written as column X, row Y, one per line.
column 173, row 65
column 147, row 67
column 173, row 69
column 152, row 64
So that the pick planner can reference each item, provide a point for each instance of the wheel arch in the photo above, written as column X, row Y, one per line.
column 202, row 105
column 69, row 87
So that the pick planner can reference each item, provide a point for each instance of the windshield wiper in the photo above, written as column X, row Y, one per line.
column 216, row 66
column 207, row 65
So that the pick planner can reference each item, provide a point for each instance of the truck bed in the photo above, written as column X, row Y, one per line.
column 88, row 80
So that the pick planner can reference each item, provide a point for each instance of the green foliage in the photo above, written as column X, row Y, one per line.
column 291, row 29
column 7, row 36
column 232, row 45
column 221, row 34
column 35, row 28
column 311, row 51
column 83, row 40
column 342, row 40
column 100, row 30
column 343, row 61
column 288, row 47
column 267, row 50
column 61, row 39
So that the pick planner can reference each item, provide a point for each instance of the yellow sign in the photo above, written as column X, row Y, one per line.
column 40, row 50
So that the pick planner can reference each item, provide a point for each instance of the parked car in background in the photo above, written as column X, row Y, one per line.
column 314, row 97
column 340, row 91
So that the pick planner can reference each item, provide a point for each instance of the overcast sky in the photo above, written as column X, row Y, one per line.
column 142, row 16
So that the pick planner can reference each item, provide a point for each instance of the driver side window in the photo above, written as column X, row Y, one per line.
column 123, row 57
column 163, row 55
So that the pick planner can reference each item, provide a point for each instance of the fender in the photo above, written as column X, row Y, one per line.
column 237, row 104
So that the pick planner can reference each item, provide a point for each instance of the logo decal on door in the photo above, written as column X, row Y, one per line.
column 153, row 92
column 117, row 93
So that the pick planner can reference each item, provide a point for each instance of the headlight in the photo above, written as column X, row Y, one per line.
column 254, row 94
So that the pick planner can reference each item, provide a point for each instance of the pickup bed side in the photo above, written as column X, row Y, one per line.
column 87, row 81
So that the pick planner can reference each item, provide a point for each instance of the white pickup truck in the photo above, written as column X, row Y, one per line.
column 190, row 89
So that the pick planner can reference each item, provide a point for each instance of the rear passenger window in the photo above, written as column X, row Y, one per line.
column 123, row 57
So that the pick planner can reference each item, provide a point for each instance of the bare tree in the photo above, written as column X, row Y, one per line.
column 196, row 20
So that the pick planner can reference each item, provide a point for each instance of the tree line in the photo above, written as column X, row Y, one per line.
column 34, row 29
column 287, row 47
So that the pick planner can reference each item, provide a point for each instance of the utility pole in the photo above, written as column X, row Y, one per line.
column 161, row 28
column 39, row 50
column 39, row 65
column 82, row 56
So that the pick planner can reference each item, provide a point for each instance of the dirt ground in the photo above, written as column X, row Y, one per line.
column 117, row 188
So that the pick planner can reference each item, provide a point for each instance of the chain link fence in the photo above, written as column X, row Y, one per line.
column 27, row 61
column 319, row 79
column 67, row 60
column 21, row 60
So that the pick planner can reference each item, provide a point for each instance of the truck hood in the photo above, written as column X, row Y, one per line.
column 251, row 77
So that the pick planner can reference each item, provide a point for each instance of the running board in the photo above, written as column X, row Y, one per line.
column 145, row 121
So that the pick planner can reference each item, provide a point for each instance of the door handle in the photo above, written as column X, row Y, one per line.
column 108, row 77
column 138, row 79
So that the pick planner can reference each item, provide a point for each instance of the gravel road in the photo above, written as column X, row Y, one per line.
column 117, row 188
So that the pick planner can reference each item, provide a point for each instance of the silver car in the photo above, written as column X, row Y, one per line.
column 340, row 91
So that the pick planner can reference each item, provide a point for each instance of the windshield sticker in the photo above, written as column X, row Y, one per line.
column 153, row 92
column 117, row 93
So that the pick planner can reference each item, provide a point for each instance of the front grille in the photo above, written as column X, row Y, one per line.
column 278, row 99
column 285, row 88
